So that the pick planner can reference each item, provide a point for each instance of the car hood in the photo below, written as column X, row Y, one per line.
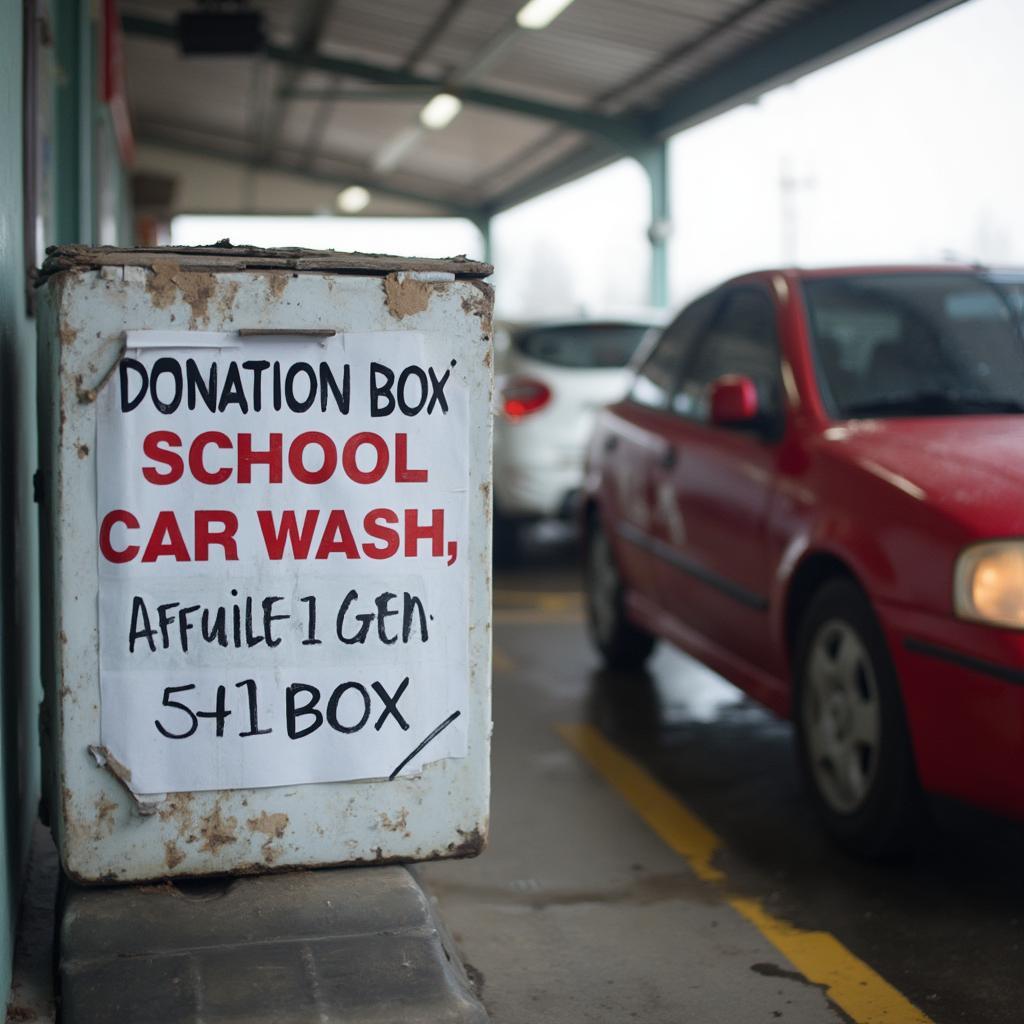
column 971, row 467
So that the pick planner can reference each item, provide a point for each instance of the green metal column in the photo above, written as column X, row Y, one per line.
column 75, row 107
column 654, row 160
column 483, row 225
column 88, row 104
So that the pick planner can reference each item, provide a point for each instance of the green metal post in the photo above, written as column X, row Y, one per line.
column 654, row 160
column 74, row 113
column 66, row 141
column 88, row 96
column 483, row 225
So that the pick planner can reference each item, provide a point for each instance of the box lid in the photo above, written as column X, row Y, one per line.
column 225, row 257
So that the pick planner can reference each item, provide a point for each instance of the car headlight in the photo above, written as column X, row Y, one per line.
column 988, row 584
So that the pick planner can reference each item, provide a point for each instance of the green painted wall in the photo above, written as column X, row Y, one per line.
column 19, row 619
column 81, row 140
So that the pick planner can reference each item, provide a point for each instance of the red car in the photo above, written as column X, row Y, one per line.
column 816, row 487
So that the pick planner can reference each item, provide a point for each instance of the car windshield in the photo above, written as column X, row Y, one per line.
column 915, row 344
column 582, row 346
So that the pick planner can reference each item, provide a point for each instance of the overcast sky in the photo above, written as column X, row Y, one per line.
column 909, row 150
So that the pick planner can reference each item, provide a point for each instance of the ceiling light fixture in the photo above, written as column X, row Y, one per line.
column 353, row 199
column 539, row 14
column 440, row 111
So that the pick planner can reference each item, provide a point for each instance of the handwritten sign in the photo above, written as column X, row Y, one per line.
column 282, row 540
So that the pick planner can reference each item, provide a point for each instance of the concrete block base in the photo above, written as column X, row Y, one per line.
column 353, row 945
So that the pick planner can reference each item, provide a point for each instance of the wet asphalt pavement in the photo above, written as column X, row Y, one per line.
column 580, row 912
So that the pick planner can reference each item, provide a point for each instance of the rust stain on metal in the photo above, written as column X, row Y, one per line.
column 197, row 290
column 399, row 823
column 272, row 825
column 217, row 830
column 276, row 284
column 467, row 848
column 105, row 809
column 82, row 450
column 161, row 286
column 473, row 843
column 405, row 296
column 226, row 299
column 195, row 287
column 172, row 855
column 178, row 808
column 481, row 306
column 68, row 334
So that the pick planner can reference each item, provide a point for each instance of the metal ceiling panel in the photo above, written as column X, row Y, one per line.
column 606, row 79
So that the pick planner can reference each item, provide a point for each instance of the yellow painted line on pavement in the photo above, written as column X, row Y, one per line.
column 536, row 617
column 682, row 831
column 848, row 981
column 822, row 959
column 549, row 600
column 538, row 607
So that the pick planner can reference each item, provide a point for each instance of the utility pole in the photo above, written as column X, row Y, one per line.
column 790, row 187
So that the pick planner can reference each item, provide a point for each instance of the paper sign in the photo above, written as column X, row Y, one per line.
column 283, row 560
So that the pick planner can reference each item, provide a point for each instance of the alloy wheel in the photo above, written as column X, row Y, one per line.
column 841, row 715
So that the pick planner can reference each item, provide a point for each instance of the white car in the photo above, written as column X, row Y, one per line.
column 551, row 380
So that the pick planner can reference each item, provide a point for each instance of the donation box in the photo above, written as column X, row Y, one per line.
column 265, row 491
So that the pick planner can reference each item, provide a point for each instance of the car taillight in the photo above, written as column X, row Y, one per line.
column 522, row 396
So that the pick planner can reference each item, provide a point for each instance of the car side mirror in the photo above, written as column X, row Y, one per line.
column 734, row 402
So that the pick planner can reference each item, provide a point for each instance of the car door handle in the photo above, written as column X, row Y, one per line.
column 668, row 458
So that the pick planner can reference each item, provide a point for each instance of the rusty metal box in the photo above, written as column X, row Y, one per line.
column 265, row 495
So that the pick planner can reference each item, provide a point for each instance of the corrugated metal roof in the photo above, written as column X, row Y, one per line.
column 605, row 78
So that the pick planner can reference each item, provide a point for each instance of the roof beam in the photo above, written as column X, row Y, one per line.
column 169, row 137
column 817, row 39
column 307, row 35
column 674, row 56
column 433, row 34
column 624, row 132
column 456, row 81
column 586, row 158
column 820, row 38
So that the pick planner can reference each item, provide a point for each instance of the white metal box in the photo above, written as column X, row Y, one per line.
column 265, row 487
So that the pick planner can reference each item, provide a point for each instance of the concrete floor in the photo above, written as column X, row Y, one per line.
column 579, row 911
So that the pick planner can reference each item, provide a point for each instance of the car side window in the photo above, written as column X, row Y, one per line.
column 741, row 339
column 658, row 373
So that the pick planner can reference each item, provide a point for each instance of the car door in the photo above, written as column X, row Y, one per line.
column 715, row 576
column 631, row 447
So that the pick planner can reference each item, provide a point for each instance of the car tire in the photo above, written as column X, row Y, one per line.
column 506, row 539
column 622, row 644
column 853, row 744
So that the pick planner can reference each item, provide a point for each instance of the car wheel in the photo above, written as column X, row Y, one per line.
column 507, row 539
column 852, row 739
column 622, row 644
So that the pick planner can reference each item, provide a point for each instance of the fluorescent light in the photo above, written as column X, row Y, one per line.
column 540, row 13
column 440, row 111
column 353, row 199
